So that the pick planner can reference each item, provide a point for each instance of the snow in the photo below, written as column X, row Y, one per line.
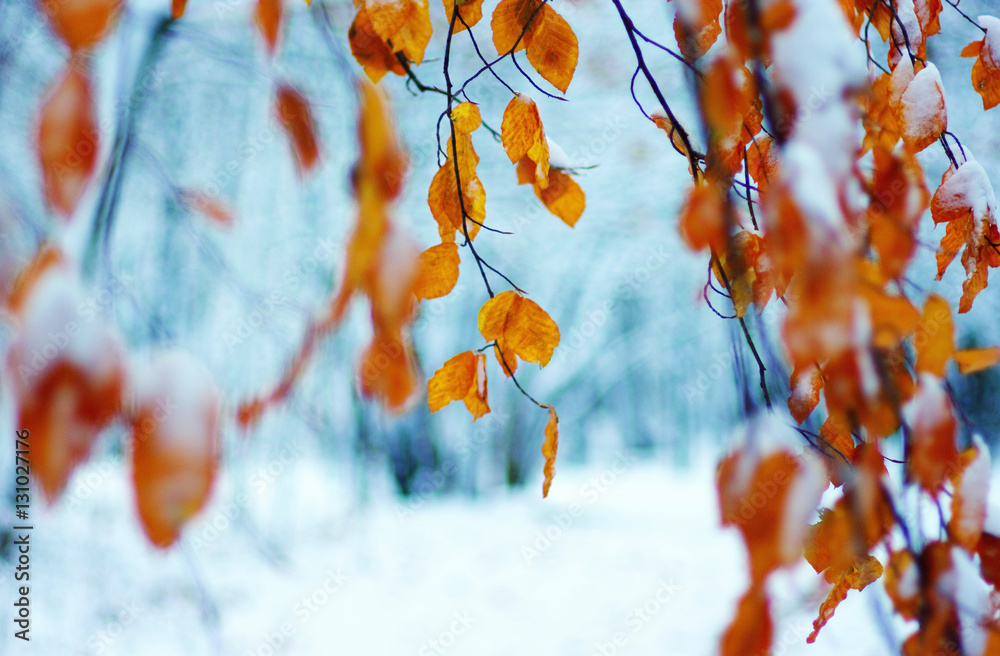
column 990, row 53
column 974, row 489
column 971, row 596
column 623, row 549
column 914, row 36
column 923, row 105
column 557, row 156
column 184, row 396
column 969, row 186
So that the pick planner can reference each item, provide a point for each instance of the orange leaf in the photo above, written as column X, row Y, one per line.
column 522, row 135
column 268, row 17
column 932, row 449
column 466, row 118
column 519, row 327
column 438, row 271
column 751, row 630
column 554, row 49
column 861, row 574
column 462, row 378
column 549, row 449
column 175, row 452
column 293, row 112
column 68, row 384
column 470, row 11
column 388, row 372
column 446, row 205
column 68, row 139
column 935, row 337
column 697, row 27
column 177, row 8
column 82, row 23
column 901, row 583
column 970, row 361
column 986, row 68
column 806, row 383
column 405, row 24
column 510, row 20
column 703, row 218
column 563, row 196
column 370, row 51
column 973, row 49
column 208, row 206
column 46, row 259
column 922, row 113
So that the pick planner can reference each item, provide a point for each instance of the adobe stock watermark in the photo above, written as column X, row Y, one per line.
column 260, row 480
column 640, row 615
column 262, row 311
column 561, row 522
column 87, row 311
column 447, row 638
column 100, row 640
column 484, row 429
column 272, row 642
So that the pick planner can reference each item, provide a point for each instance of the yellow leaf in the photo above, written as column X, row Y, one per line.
column 563, row 197
column 406, row 24
column 970, row 361
column 510, row 21
column 462, row 378
column 549, row 449
column 554, row 49
column 437, row 271
column 446, row 206
column 522, row 135
column 519, row 327
column 466, row 118
column 470, row 11
column 935, row 337
column 370, row 51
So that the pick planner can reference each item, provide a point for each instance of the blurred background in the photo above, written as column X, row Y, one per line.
column 333, row 527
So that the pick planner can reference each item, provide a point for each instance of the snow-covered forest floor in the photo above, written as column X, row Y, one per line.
column 623, row 550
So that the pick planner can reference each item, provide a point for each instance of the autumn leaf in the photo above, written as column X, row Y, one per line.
column 522, row 136
column 549, row 449
column 210, row 207
column 733, row 112
column 861, row 574
column 562, row 196
column 922, row 113
column 901, row 577
column 986, row 68
column 935, row 337
column 747, row 270
column 295, row 116
column 466, row 118
column 697, row 27
column 805, row 383
column 268, row 17
column 751, row 630
column 554, row 49
column 68, row 139
column 899, row 198
column 405, row 24
column 370, row 51
column 514, row 23
column 703, row 218
column 388, row 370
column 175, row 454
column 459, row 207
column 470, row 11
column 82, row 24
column 970, row 361
column 932, row 449
column 520, row 328
column 437, row 271
column 462, row 378
column 177, row 8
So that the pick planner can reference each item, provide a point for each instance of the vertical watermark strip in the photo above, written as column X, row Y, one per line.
column 22, row 506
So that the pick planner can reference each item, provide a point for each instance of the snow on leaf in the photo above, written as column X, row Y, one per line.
column 520, row 328
column 438, row 271
column 174, row 408
column 901, row 583
column 971, row 483
column 67, row 387
column 986, row 68
column 462, row 378
column 696, row 26
column 68, row 139
column 923, row 116
column 806, row 382
column 82, row 24
column 932, row 450
column 268, row 16
column 549, row 449
column 295, row 116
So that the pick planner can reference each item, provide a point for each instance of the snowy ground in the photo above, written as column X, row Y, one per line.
column 625, row 550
